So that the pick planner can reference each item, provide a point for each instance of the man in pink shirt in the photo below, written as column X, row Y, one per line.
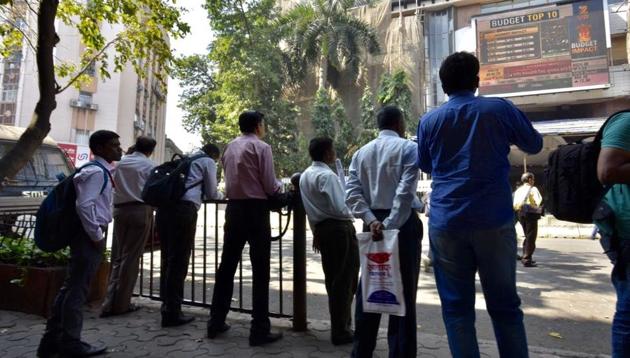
column 249, row 181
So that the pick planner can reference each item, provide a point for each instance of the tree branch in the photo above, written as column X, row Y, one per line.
column 24, row 34
column 87, row 65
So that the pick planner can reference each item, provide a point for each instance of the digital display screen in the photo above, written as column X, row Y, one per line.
column 553, row 47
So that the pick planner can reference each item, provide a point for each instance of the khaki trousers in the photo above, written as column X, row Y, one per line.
column 132, row 227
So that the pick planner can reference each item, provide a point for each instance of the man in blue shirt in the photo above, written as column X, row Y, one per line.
column 464, row 144
column 381, row 190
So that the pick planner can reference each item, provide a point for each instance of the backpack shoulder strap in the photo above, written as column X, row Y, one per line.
column 106, row 173
column 600, row 132
column 192, row 159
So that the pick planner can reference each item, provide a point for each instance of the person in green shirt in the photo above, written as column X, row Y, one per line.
column 613, row 168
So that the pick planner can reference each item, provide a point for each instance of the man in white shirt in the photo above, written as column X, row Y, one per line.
column 132, row 226
column 333, row 235
column 93, row 184
column 176, row 226
column 528, row 194
column 381, row 191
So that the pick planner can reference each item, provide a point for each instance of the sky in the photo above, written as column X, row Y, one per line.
column 196, row 42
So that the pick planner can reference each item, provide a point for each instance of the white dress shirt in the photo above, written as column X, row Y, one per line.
column 131, row 174
column 384, row 175
column 322, row 195
column 204, row 171
column 534, row 199
column 94, row 207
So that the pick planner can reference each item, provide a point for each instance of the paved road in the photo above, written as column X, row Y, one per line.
column 568, row 300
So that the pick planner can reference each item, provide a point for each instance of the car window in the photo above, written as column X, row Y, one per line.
column 42, row 171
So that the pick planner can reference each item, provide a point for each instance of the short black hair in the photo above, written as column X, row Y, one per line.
column 249, row 120
column 212, row 150
column 145, row 144
column 318, row 147
column 459, row 72
column 100, row 138
column 388, row 116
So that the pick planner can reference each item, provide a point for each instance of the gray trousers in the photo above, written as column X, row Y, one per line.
column 67, row 318
column 132, row 227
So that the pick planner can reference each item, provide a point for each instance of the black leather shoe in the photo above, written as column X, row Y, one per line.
column 176, row 321
column 264, row 339
column 48, row 346
column 82, row 350
column 530, row 264
column 215, row 330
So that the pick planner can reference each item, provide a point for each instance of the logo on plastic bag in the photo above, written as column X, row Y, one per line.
column 383, row 297
column 379, row 257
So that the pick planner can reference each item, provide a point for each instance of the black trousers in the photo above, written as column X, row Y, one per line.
column 340, row 261
column 401, row 331
column 66, row 321
column 530, row 228
column 176, row 229
column 246, row 221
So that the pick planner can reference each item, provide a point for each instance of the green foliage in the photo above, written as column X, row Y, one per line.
column 368, row 118
column 23, row 252
column 244, row 69
column 322, row 33
column 322, row 115
column 142, row 42
column 329, row 120
column 394, row 90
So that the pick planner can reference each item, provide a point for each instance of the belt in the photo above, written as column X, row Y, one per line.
column 129, row 203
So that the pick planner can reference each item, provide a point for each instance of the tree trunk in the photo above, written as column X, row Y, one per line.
column 323, row 72
column 32, row 138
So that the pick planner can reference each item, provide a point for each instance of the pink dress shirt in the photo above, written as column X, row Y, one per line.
column 248, row 167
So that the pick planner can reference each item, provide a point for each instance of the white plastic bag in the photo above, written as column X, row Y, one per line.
column 381, row 283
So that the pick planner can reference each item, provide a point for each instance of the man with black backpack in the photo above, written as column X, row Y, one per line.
column 93, row 184
column 176, row 225
column 613, row 220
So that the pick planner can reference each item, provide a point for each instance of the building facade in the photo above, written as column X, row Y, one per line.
column 125, row 103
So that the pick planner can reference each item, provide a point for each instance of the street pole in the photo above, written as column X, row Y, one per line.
column 299, row 258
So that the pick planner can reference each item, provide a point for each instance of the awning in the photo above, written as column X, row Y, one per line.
column 578, row 126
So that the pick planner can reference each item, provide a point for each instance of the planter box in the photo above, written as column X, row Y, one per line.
column 40, row 287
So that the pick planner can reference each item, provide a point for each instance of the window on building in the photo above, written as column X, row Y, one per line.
column 9, row 95
column 7, row 113
column 82, row 136
column 512, row 5
column 91, row 69
column 85, row 97
column 439, row 40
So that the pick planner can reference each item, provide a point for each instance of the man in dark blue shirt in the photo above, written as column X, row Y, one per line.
column 464, row 144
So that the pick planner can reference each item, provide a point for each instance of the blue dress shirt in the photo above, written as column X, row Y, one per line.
column 384, row 175
column 464, row 144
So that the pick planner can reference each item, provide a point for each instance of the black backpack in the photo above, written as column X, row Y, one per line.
column 56, row 220
column 573, row 190
column 167, row 182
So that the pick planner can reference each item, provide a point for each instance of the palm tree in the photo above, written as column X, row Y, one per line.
column 323, row 33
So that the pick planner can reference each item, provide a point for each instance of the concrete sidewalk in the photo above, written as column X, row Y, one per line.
column 139, row 335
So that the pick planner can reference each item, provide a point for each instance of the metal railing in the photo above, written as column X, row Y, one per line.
column 288, row 262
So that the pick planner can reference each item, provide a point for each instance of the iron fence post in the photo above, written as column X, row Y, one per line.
column 299, row 259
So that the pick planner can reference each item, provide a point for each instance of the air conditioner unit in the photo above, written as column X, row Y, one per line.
column 139, row 125
column 77, row 103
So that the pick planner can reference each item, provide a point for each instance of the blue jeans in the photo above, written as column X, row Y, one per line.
column 621, row 322
column 458, row 255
